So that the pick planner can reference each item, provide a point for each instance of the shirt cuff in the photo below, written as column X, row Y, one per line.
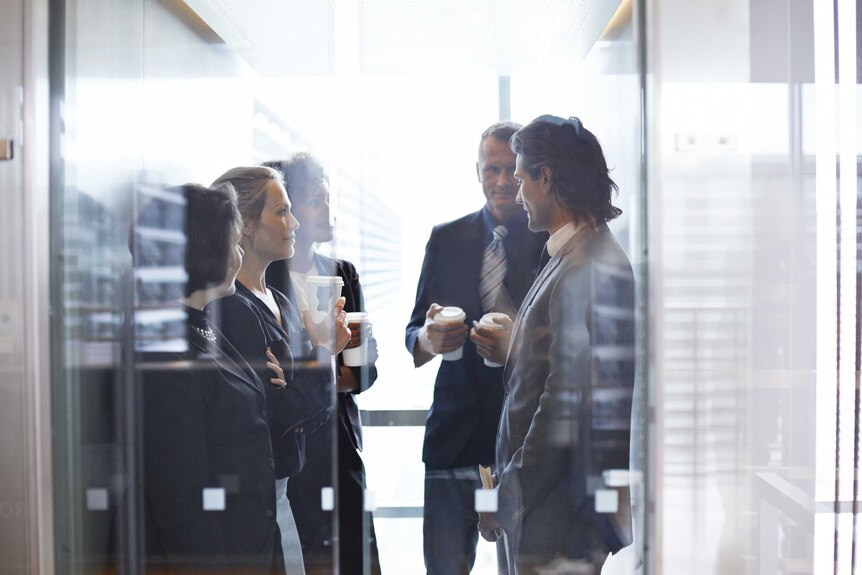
column 424, row 342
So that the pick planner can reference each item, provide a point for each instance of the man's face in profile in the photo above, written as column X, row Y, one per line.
column 496, row 168
column 536, row 199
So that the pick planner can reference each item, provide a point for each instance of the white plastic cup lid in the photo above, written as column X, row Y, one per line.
column 488, row 320
column 451, row 313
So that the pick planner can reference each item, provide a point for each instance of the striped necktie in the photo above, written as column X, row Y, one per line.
column 493, row 269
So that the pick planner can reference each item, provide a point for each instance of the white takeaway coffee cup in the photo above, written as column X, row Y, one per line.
column 452, row 314
column 356, row 356
column 323, row 293
column 487, row 321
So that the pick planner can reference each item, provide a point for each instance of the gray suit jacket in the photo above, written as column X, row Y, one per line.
column 567, row 414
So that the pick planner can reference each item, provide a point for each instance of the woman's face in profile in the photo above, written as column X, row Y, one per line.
column 312, row 211
column 273, row 236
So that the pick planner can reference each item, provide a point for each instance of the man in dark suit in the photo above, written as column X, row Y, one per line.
column 570, row 368
column 482, row 262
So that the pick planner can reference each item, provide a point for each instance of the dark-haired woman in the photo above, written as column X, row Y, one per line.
column 308, row 189
column 208, row 470
column 258, row 317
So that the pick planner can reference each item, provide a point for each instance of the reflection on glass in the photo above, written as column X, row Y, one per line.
column 308, row 190
column 266, row 325
column 398, row 129
column 208, row 499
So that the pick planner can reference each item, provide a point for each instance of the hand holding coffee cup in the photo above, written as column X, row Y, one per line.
column 331, row 332
column 342, row 328
column 356, row 351
column 491, row 335
column 441, row 337
column 357, row 322
column 362, row 333
column 444, row 319
column 323, row 293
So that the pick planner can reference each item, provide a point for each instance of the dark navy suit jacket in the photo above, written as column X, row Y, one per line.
column 461, row 426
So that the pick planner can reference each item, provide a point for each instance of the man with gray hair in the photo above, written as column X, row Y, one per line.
column 483, row 262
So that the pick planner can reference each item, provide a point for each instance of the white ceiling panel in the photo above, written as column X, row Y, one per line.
column 306, row 37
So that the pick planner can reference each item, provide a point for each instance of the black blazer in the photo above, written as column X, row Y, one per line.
column 305, row 403
column 461, row 426
column 277, row 274
column 205, row 425
column 314, row 525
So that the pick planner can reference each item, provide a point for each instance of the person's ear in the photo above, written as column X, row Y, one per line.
column 478, row 174
column 547, row 177
column 247, row 229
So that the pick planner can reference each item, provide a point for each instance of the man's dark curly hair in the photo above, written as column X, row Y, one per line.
column 580, row 177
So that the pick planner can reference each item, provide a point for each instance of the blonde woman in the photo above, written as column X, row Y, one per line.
column 259, row 317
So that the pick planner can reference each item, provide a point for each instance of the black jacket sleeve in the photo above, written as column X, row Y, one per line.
column 367, row 375
column 424, row 296
column 304, row 398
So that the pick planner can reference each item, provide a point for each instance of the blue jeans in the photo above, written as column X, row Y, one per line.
column 450, row 524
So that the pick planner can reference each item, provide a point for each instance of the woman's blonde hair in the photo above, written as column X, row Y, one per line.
column 250, row 183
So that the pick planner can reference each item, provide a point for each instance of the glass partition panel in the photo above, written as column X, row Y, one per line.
column 16, row 505
column 754, row 182
column 159, row 461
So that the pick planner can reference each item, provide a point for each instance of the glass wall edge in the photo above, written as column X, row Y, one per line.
column 35, row 189
column 643, row 15
column 60, row 548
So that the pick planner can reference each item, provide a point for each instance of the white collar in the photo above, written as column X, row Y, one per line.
column 560, row 237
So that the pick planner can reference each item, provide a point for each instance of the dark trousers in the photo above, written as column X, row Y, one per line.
column 450, row 525
column 357, row 541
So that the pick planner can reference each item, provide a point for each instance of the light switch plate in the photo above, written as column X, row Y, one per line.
column 97, row 499
column 607, row 500
column 327, row 498
column 213, row 499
